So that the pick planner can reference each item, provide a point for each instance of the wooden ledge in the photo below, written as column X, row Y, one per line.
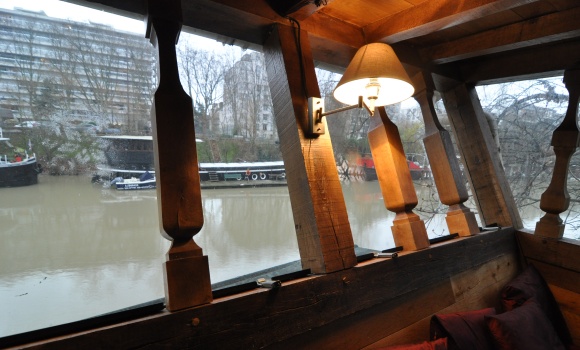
column 563, row 252
column 265, row 317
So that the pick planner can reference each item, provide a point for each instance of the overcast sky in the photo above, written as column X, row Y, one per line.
column 60, row 9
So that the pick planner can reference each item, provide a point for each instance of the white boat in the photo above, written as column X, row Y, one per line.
column 144, row 182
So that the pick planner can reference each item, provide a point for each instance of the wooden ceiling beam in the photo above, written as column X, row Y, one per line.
column 551, row 27
column 528, row 63
column 334, row 42
column 212, row 17
column 245, row 15
column 300, row 14
column 248, row 21
column 434, row 15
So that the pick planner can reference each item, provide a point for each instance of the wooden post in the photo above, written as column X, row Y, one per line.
column 186, row 271
column 443, row 162
column 478, row 149
column 565, row 140
column 321, row 222
column 396, row 184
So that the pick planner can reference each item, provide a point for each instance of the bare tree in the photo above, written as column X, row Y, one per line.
column 202, row 76
column 96, row 66
column 247, row 104
column 348, row 129
column 527, row 113
column 67, row 73
column 526, row 118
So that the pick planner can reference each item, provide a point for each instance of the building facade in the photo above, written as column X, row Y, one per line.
column 69, row 73
column 247, row 107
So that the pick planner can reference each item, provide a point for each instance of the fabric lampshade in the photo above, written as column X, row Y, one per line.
column 374, row 67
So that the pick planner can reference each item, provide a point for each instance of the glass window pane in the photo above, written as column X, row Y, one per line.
column 72, row 248
column 526, row 113
column 77, row 96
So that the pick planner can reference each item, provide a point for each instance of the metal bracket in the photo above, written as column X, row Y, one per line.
column 268, row 283
column 386, row 255
column 315, row 111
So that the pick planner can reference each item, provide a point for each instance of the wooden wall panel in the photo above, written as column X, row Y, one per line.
column 396, row 293
column 562, row 253
column 569, row 303
column 554, row 275
column 474, row 289
column 380, row 321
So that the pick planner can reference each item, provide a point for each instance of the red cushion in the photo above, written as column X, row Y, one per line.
column 530, row 284
column 525, row 327
column 464, row 330
column 439, row 344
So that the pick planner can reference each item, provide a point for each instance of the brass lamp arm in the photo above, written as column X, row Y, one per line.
column 316, row 112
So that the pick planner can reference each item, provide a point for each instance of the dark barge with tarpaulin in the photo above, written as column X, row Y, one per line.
column 22, row 170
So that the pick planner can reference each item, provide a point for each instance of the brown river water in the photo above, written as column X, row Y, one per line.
column 71, row 249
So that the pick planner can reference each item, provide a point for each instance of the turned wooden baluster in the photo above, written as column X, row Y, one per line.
column 478, row 149
column 565, row 140
column 186, row 271
column 444, row 164
column 396, row 184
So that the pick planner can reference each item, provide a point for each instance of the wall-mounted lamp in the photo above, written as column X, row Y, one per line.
column 375, row 77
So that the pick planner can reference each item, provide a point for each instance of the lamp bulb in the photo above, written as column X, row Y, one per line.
column 372, row 93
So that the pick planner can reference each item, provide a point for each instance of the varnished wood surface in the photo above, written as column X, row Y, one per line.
column 186, row 271
column 528, row 63
column 396, row 184
column 569, row 303
column 430, row 16
column 268, row 318
column 178, row 188
column 321, row 222
column 368, row 12
column 558, row 26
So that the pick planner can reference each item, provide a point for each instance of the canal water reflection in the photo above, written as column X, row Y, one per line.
column 72, row 250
